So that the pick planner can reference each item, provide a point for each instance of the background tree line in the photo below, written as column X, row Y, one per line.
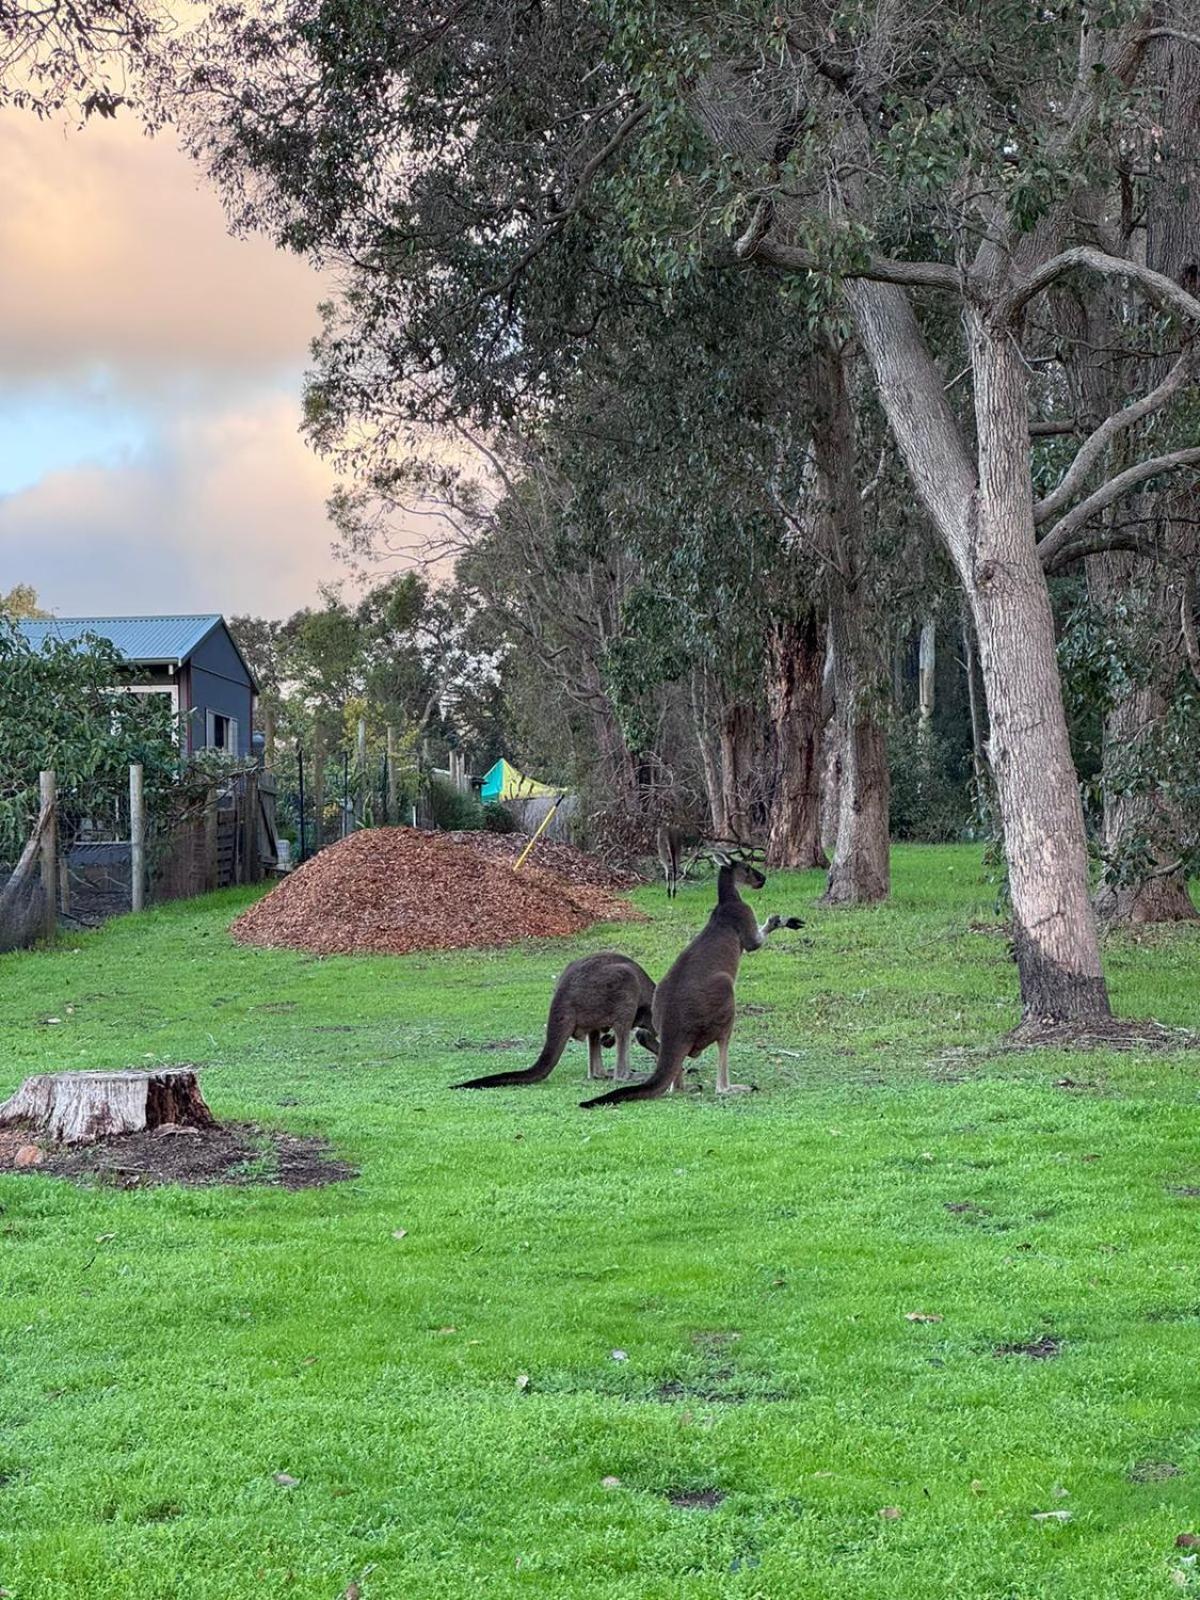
column 786, row 336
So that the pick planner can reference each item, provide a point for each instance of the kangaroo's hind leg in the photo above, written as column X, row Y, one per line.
column 723, row 1084
column 621, row 1071
column 595, row 1057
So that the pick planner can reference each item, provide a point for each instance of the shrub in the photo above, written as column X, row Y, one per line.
column 498, row 818
column 450, row 809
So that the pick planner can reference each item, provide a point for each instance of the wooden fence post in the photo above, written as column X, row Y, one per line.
column 137, row 839
column 49, row 855
column 250, row 853
column 211, row 824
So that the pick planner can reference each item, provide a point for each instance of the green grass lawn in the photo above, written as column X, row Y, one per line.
column 164, row 1354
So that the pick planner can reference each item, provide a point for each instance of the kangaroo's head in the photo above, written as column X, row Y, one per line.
column 737, row 872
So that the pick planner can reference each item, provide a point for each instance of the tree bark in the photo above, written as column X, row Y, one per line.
column 737, row 769
column 1135, row 810
column 795, row 691
column 985, row 519
column 79, row 1107
column 709, row 765
column 1154, row 587
column 860, row 872
column 926, row 678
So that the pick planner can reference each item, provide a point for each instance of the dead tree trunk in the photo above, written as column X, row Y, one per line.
column 80, row 1107
column 795, row 691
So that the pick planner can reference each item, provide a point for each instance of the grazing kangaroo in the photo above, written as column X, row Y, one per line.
column 670, row 843
column 598, row 998
column 693, row 1005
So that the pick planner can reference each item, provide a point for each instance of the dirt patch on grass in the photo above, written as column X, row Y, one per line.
column 1153, row 1471
column 1044, row 1349
column 1113, row 1033
column 696, row 1499
column 237, row 1154
column 1185, row 1191
column 398, row 890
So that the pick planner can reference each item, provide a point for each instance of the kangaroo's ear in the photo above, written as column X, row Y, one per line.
column 721, row 858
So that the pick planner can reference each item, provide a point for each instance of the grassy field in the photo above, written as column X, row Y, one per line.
column 697, row 1299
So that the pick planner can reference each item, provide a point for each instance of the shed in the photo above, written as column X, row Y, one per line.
column 193, row 659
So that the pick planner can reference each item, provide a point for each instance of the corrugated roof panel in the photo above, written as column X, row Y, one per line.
column 137, row 638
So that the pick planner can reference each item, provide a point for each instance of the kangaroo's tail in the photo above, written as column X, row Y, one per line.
column 558, row 1033
column 669, row 1068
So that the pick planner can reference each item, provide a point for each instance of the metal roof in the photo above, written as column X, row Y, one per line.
column 141, row 639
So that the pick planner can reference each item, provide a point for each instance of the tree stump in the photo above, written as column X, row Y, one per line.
column 80, row 1107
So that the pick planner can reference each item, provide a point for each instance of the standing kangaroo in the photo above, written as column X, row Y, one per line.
column 670, row 843
column 693, row 1005
column 597, row 998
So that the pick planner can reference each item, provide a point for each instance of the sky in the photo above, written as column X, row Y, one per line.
column 150, row 382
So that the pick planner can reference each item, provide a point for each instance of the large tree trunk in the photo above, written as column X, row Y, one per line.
column 1054, row 931
column 737, row 768
column 860, row 872
column 986, row 522
column 795, row 692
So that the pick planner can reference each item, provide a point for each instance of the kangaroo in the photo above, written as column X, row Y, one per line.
column 599, row 998
column 693, row 1005
column 670, row 843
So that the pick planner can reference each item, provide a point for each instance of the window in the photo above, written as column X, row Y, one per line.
column 222, row 732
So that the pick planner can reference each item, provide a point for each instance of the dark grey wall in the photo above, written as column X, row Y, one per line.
column 219, row 682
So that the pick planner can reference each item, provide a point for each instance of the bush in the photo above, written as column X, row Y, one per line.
column 498, row 818
column 450, row 809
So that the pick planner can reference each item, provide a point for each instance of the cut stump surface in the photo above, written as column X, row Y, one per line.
column 79, row 1107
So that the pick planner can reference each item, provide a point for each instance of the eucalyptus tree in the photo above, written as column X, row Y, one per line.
column 493, row 181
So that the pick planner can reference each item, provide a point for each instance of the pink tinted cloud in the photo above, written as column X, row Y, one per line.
column 113, row 252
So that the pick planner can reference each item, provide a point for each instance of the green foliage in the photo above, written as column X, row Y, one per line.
column 450, row 808
column 62, row 708
column 930, row 790
column 169, row 1351
column 498, row 818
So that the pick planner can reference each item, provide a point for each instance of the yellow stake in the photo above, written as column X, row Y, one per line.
column 520, row 861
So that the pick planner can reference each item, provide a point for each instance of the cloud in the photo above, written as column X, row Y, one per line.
column 226, row 513
column 114, row 255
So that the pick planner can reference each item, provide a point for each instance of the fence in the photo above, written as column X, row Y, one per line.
column 85, row 863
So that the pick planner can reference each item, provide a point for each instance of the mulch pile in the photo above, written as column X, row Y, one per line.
column 233, row 1154
column 563, row 860
column 398, row 890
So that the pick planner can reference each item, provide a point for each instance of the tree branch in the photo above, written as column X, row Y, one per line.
column 1099, row 440
column 559, row 221
column 1064, row 530
column 879, row 269
column 1053, row 430
column 1157, row 285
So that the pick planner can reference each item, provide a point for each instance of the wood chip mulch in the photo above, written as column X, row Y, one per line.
column 563, row 860
column 398, row 890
